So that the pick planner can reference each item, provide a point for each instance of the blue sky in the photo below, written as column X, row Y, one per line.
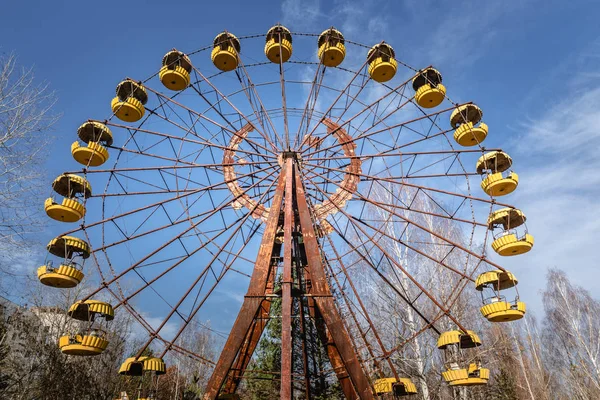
column 533, row 67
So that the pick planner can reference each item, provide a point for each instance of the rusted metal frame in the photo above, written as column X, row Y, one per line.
column 137, row 316
column 142, row 153
column 263, row 110
column 178, row 221
column 387, row 153
column 378, row 119
column 361, row 331
column 353, row 219
column 213, row 167
column 450, row 303
column 395, row 181
column 241, row 222
column 324, row 301
column 157, row 204
column 447, row 173
column 435, row 319
column 368, row 108
column 256, row 330
column 399, row 266
column 252, row 300
column 176, row 348
column 191, row 287
column 441, row 237
column 286, row 391
column 283, row 96
column 356, row 225
column 125, row 177
column 385, row 279
column 209, row 292
column 313, row 86
column 370, row 263
column 348, row 86
column 300, row 270
column 335, row 358
column 204, row 142
column 251, row 142
column 405, row 208
column 190, row 191
column 187, row 128
column 116, row 277
column 361, row 304
column 226, row 98
column 450, row 216
column 367, row 133
column 204, row 117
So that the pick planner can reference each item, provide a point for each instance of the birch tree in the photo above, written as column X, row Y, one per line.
column 572, row 336
column 25, row 120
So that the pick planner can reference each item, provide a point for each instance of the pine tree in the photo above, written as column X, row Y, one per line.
column 503, row 388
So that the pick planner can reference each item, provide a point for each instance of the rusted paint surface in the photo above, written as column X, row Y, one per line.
column 286, row 285
column 324, row 300
column 252, row 301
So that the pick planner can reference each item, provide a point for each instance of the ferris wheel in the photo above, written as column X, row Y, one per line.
column 283, row 171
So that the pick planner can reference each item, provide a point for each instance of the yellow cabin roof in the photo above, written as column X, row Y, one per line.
column 330, row 33
column 386, row 385
column 130, row 88
column 176, row 57
column 381, row 48
column 224, row 37
column 276, row 30
column 507, row 217
column 495, row 161
column 136, row 367
column 466, row 113
column 463, row 340
column 500, row 280
column 82, row 310
column 66, row 246
column 94, row 131
column 425, row 76
column 68, row 184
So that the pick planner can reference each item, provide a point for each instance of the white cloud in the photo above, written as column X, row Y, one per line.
column 559, row 187
column 167, row 332
column 300, row 14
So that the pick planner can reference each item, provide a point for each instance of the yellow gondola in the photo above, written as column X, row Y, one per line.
column 91, row 340
column 332, row 48
column 88, row 310
column 68, row 246
column 509, row 242
column 65, row 276
column 71, row 187
column 129, row 103
column 399, row 388
column 88, row 343
column 279, row 44
column 68, row 274
column 495, row 306
column 382, row 62
column 465, row 340
column 471, row 376
column 175, row 71
column 454, row 343
column 96, row 135
column 469, row 130
column 225, row 52
column 499, row 179
column 429, row 91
